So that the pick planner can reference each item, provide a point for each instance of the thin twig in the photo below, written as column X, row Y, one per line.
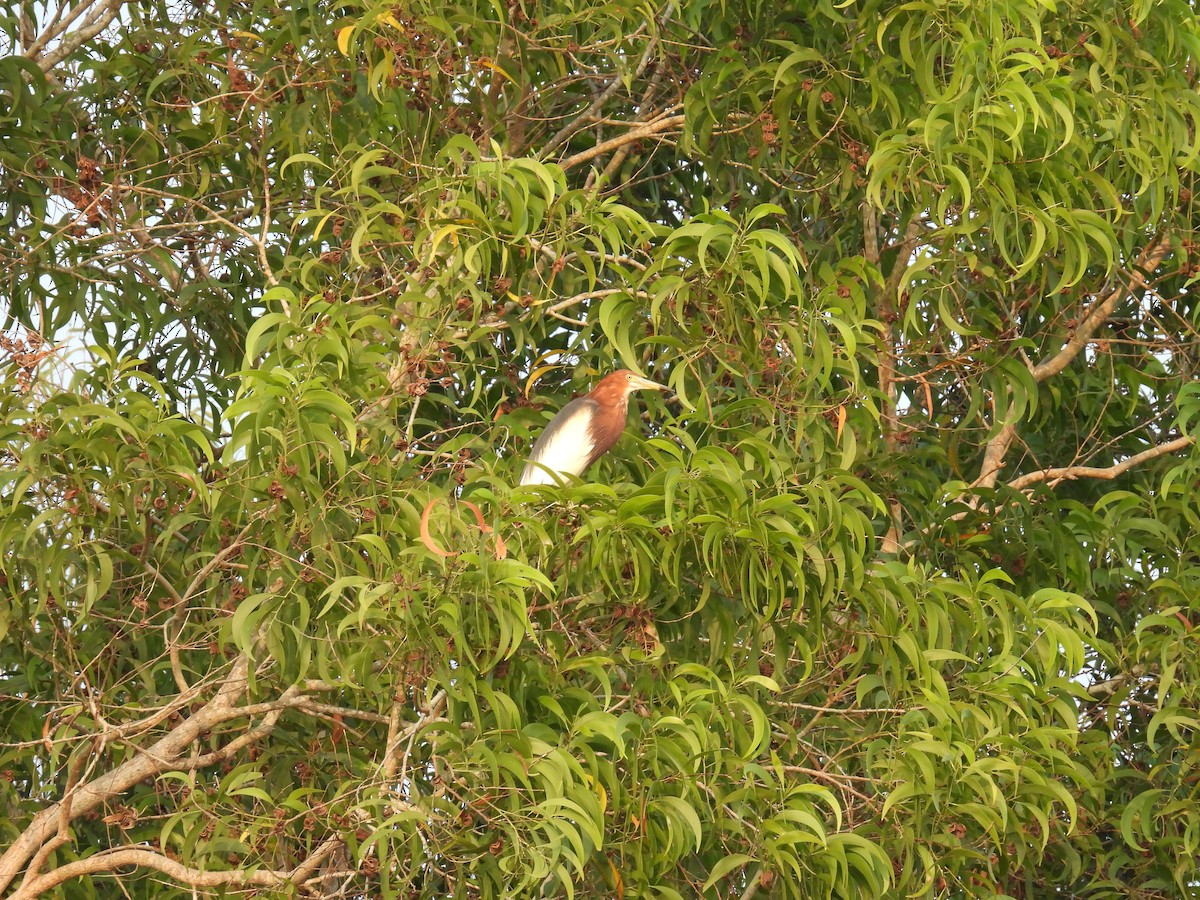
column 839, row 780
column 864, row 711
column 595, row 295
column 261, row 244
column 409, row 734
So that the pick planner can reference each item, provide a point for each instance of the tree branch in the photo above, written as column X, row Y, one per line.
column 95, row 23
column 391, row 760
column 147, row 764
column 604, row 96
column 905, row 249
column 1067, row 473
column 885, row 309
column 594, row 295
column 997, row 448
column 305, row 871
column 255, row 734
column 110, row 860
column 1147, row 262
column 55, row 27
column 993, row 456
column 842, row 781
column 50, row 828
column 843, row 710
column 870, row 234
column 396, row 762
column 634, row 134
column 63, row 835
column 1102, row 690
column 325, row 709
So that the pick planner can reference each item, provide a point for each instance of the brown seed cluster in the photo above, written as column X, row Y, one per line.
column 25, row 353
column 87, row 194
column 639, row 622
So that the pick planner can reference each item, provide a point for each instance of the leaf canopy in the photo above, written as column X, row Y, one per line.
column 895, row 597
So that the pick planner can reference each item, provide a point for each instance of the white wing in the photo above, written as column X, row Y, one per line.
column 563, row 447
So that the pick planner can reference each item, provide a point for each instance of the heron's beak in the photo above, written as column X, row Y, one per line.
column 638, row 383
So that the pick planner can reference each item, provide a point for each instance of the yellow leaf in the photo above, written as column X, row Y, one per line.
column 536, row 374
column 343, row 40
column 620, row 883
column 841, row 421
column 440, row 235
column 488, row 64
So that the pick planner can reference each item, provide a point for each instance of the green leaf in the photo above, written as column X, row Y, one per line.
column 679, row 812
column 724, row 866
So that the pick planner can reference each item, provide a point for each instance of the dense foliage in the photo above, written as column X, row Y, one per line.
column 895, row 597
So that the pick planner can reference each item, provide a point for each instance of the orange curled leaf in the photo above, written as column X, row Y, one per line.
column 432, row 547
column 841, row 421
column 501, row 547
column 483, row 526
column 426, row 539
column 928, row 397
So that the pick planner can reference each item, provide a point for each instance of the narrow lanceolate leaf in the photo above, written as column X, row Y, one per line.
column 893, row 593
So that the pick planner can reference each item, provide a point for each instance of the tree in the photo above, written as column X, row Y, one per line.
column 895, row 598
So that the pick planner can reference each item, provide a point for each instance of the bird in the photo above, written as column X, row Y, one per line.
column 585, row 429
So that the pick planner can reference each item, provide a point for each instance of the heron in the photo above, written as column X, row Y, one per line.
column 585, row 429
